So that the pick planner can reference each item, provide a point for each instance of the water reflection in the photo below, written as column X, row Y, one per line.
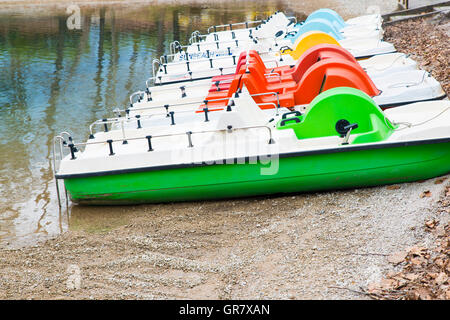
column 54, row 79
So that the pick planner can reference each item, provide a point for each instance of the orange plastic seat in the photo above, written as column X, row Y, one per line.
column 321, row 68
column 323, row 75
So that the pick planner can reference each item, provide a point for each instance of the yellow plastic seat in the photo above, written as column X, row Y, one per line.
column 309, row 40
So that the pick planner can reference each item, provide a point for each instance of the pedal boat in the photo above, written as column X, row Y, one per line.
column 279, row 25
column 187, row 66
column 319, row 69
column 343, row 140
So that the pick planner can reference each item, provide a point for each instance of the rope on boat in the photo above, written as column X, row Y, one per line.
column 410, row 125
column 409, row 84
column 392, row 63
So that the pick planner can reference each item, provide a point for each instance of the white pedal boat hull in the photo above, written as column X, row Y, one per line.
column 375, row 66
column 396, row 89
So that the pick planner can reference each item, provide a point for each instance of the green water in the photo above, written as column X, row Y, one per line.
column 55, row 79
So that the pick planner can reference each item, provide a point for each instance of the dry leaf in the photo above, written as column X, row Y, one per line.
column 373, row 287
column 426, row 193
column 393, row 187
column 417, row 251
column 422, row 294
column 431, row 223
column 440, row 262
column 397, row 257
column 388, row 284
column 417, row 261
column 441, row 278
column 411, row 276
column 440, row 231
column 439, row 180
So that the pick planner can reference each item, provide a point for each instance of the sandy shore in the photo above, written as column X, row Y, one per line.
column 328, row 245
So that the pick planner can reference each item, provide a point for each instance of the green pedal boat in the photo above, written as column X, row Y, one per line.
column 342, row 140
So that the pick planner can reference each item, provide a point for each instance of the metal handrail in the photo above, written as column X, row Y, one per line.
column 191, row 85
column 189, row 133
column 196, row 35
column 246, row 23
column 196, row 60
column 175, row 105
column 213, row 58
column 184, row 74
column 243, row 23
column 167, row 106
column 211, row 42
column 172, row 46
column 267, row 93
column 273, row 74
column 153, row 66
column 137, row 93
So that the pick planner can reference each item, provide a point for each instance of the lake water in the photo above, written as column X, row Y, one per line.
column 55, row 79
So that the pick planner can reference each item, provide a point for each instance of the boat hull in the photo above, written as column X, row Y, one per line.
column 355, row 166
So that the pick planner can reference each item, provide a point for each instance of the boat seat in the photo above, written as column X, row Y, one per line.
column 317, row 24
column 309, row 40
column 347, row 105
column 315, row 54
column 333, row 73
column 330, row 15
column 322, row 76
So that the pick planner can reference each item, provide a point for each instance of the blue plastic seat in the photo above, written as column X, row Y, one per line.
column 330, row 15
column 315, row 25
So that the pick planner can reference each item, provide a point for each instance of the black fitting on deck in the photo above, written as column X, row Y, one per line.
column 111, row 152
column 72, row 151
column 149, row 139
column 189, row 134
column 149, row 94
column 138, row 121
column 167, row 110
column 205, row 110
column 172, row 120
column 105, row 125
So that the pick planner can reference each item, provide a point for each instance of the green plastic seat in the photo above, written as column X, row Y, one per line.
column 347, row 105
